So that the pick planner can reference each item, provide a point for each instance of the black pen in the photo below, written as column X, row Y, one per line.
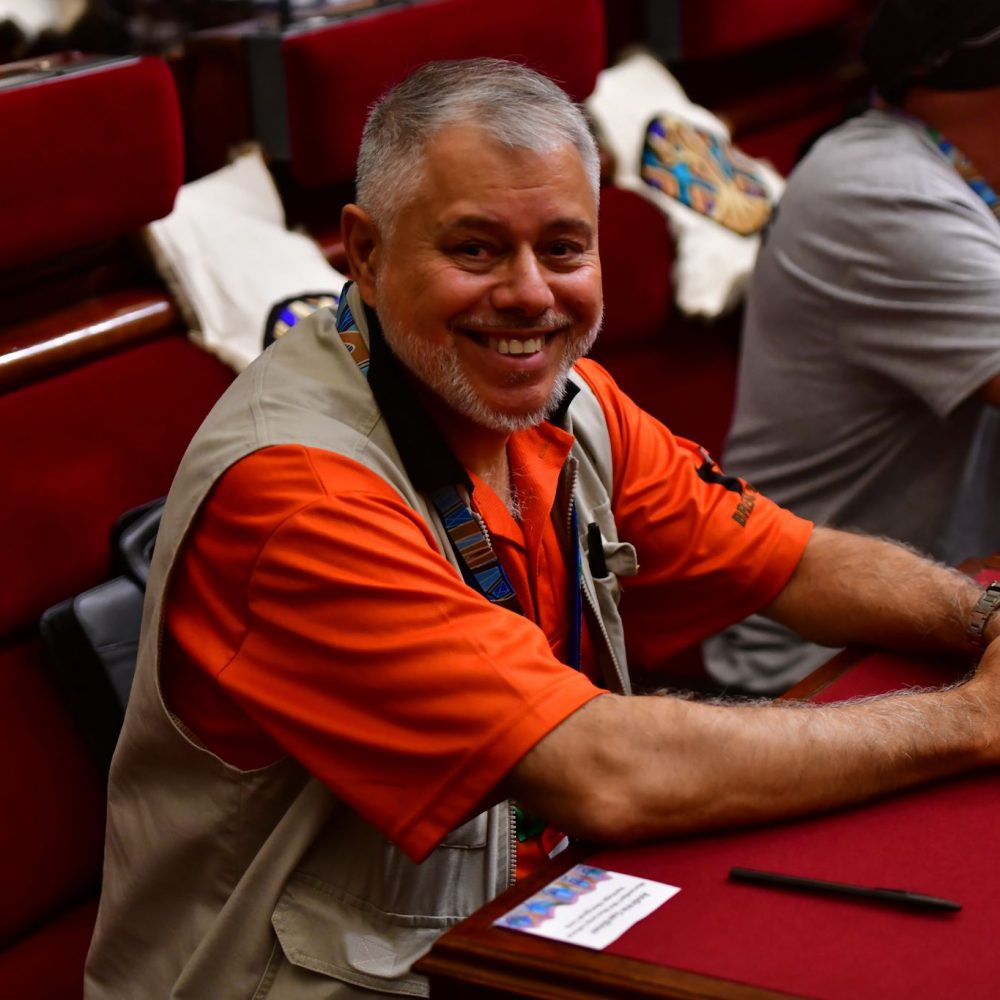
column 901, row 897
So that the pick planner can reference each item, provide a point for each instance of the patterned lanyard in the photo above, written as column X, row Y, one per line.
column 966, row 170
column 964, row 167
column 480, row 567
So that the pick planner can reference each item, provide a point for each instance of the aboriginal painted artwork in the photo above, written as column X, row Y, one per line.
column 705, row 173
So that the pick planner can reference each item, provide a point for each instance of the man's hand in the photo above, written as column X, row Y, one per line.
column 983, row 693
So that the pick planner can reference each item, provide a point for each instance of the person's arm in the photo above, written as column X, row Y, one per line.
column 627, row 768
column 623, row 769
column 852, row 588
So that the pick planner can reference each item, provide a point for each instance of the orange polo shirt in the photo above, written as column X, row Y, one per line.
column 311, row 613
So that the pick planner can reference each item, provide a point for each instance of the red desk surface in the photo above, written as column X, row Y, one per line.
column 940, row 840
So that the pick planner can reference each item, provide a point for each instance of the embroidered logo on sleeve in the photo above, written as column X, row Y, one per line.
column 710, row 472
column 706, row 173
column 745, row 507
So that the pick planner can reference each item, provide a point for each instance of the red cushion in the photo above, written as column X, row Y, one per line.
column 80, row 448
column 52, row 835
column 719, row 27
column 48, row 964
column 89, row 155
column 637, row 256
column 334, row 73
column 687, row 381
column 680, row 370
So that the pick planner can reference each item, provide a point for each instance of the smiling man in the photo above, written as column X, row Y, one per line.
column 502, row 244
column 386, row 650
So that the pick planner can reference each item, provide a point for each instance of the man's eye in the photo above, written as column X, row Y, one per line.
column 563, row 249
column 474, row 250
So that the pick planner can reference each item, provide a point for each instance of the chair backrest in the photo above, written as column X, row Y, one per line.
column 126, row 166
column 310, row 85
column 707, row 29
column 100, row 390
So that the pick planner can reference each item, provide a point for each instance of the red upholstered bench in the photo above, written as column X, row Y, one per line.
column 100, row 391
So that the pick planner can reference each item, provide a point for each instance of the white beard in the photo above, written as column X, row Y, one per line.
column 440, row 371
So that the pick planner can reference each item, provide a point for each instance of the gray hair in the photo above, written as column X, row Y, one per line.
column 512, row 104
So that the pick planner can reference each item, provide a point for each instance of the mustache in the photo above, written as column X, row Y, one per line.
column 487, row 324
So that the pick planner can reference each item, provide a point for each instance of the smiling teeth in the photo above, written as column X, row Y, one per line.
column 530, row 346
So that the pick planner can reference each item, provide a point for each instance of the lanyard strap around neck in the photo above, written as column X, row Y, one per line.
column 470, row 542
column 964, row 167
column 966, row 170
column 481, row 569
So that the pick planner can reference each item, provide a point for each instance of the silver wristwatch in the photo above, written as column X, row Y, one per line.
column 987, row 604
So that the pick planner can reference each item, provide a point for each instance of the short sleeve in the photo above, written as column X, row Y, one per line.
column 920, row 302
column 360, row 651
column 711, row 549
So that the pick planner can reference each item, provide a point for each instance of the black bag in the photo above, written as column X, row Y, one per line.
column 92, row 639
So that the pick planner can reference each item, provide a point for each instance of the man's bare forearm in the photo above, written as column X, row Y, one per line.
column 622, row 769
column 630, row 768
column 851, row 588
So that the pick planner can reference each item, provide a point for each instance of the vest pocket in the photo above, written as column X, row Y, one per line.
column 358, row 912
column 325, row 934
column 618, row 558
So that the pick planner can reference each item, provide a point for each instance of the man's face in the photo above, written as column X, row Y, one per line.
column 489, row 285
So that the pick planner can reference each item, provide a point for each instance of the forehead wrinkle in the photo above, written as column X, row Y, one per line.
column 470, row 221
column 567, row 223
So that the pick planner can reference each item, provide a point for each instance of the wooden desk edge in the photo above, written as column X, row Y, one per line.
column 503, row 963
column 825, row 674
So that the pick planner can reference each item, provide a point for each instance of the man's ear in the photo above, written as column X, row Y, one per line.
column 363, row 246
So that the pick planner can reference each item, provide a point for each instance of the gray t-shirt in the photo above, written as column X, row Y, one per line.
column 873, row 318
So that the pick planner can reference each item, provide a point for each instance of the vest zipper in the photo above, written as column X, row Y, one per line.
column 596, row 613
column 512, row 814
column 573, row 469
column 482, row 527
column 591, row 604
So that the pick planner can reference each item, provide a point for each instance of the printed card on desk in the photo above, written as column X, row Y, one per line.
column 588, row 906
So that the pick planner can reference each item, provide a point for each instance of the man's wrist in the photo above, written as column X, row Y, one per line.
column 979, row 630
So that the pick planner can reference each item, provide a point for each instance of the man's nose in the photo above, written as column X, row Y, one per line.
column 523, row 285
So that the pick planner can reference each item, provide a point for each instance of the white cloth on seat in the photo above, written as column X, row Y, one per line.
column 227, row 257
column 713, row 263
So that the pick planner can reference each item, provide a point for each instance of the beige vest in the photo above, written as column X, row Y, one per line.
column 222, row 883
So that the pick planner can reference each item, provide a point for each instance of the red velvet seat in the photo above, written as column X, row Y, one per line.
column 101, row 392
column 711, row 28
